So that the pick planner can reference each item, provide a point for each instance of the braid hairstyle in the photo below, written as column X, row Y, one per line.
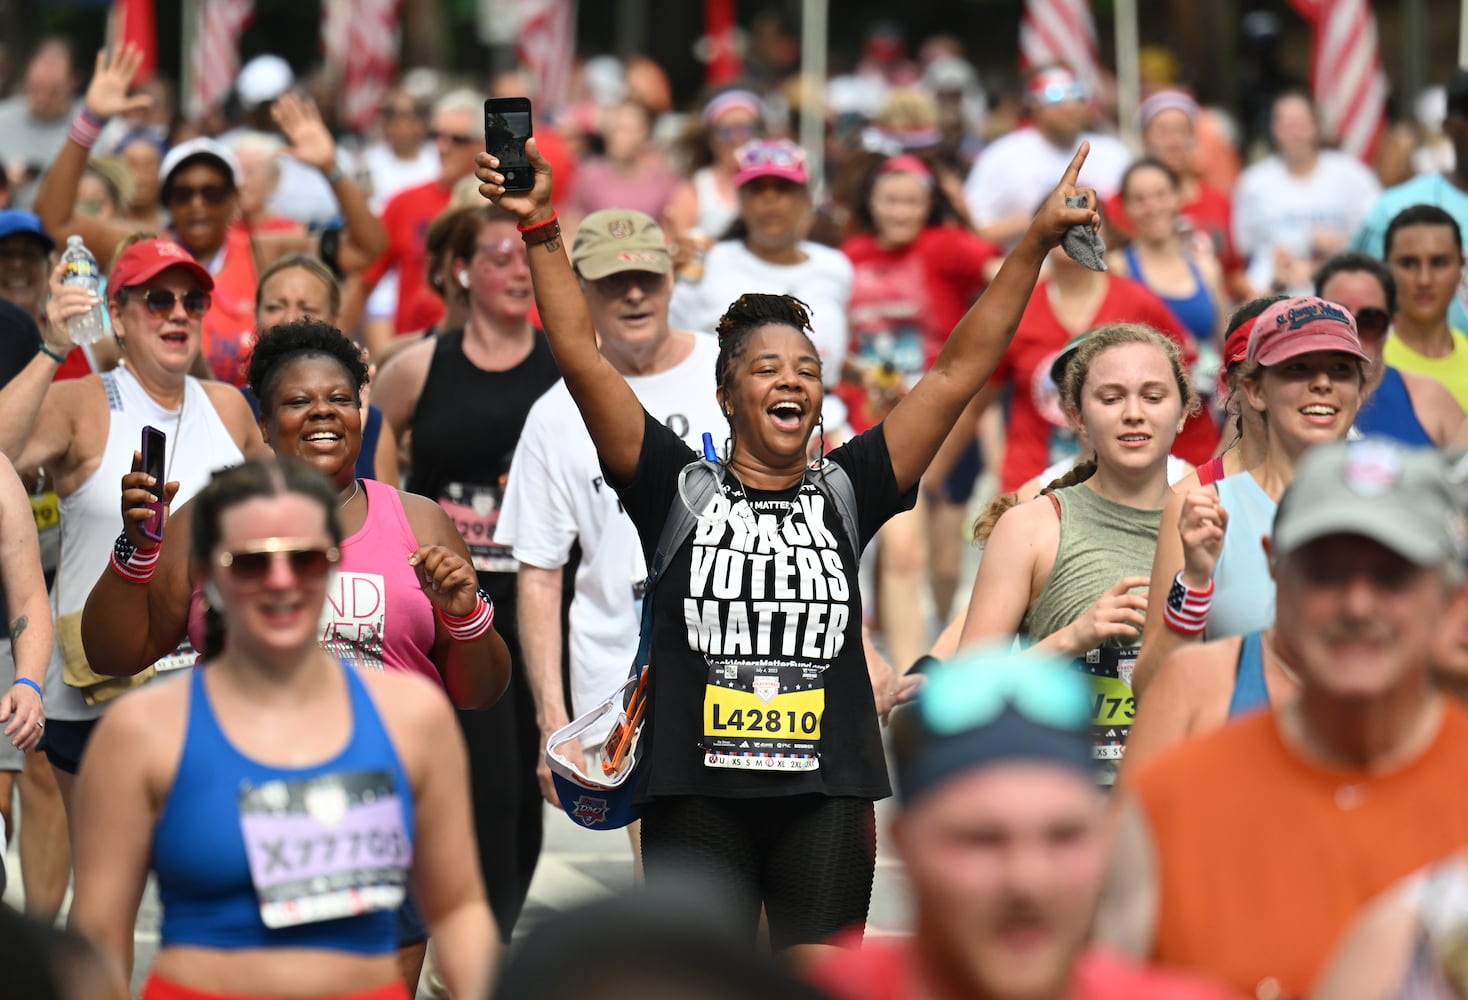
column 283, row 345
column 750, row 312
column 257, row 477
column 1072, row 386
column 1233, row 374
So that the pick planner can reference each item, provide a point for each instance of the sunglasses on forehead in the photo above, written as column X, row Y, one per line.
column 251, row 565
column 160, row 301
column 1051, row 695
column 1058, row 93
column 771, row 154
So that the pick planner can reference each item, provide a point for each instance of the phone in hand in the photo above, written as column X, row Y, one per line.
column 153, row 464
column 506, row 127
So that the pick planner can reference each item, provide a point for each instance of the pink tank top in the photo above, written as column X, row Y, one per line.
column 376, row 616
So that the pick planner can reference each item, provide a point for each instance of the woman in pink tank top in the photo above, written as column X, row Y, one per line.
column 401, row 562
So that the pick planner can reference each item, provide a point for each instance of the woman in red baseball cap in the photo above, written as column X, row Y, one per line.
column 84, row 435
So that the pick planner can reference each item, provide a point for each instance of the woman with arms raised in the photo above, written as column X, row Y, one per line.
column 760, row 607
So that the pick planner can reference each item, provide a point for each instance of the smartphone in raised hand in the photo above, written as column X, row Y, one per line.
column 506, row 127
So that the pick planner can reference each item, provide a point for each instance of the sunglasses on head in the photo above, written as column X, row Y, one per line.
column 732, row 133
column 160, row 301
column 1372, row 323
column 1059, row 93
column 1051, row 695
column 456, row 139
column 501, row 254
column 213, row 194
column 307, row 560
column 771, row 154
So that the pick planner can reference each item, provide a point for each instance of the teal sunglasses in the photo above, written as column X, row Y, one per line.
column 974, row 689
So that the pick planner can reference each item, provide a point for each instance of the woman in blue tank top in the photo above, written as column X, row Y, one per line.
column 285, row 802
column 1185, row 277
column 1304, row 375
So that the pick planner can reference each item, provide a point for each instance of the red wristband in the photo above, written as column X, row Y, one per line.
column 539, row 225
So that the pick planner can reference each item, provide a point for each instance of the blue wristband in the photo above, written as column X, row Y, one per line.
column 32, row 685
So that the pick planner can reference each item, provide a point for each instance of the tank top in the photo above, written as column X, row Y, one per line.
column 1250, row 691
column 1243, row 590
column 1197, row 312
column 198, row 444
column 465, row 429
column 376, row 616
column 1388, row 412
column 371, row 431
column 234, row 839
column 716, row 212
column 1100, row 542
column 229, row 325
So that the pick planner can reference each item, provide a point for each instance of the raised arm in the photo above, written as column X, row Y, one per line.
column 1189, row 540
column 607, row 403
column 922, row 419
column 127, row 624
column 107, row 95
column 312, row 144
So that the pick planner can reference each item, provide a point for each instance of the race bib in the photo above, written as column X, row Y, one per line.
column 763, row 715
column 184, row 656
column 327, row 847
column 46, row 509
column 475, row 510
column 1113, row 706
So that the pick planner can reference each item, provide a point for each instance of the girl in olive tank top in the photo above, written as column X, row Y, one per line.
column 1068, row 570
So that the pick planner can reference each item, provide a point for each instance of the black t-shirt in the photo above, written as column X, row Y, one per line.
column 465, row 429
column 759, row 684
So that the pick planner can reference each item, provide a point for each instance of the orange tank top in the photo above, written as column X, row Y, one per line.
column 1264, row 858
column 229, row 325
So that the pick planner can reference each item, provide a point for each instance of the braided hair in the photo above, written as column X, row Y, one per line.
column 281, row 346
column 751, row 311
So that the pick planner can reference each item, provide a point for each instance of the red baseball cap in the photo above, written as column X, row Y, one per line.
column 147, row 259
column 1303, row 325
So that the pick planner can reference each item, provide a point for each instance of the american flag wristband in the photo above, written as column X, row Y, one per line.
column 132, row 563
column 473, row 625
column 1186, row 610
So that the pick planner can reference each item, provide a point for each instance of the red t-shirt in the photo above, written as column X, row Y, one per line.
column 906, row 300
column 406, row 218
column 1037, row 432
column 884, row 970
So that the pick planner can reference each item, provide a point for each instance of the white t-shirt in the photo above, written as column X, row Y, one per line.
column 1273, row 208
column 1014, row 173
column 556, row 496
column 388, row 174
column 822, row 281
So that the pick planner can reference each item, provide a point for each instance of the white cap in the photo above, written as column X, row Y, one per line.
column 199, row 147
column 262, row 80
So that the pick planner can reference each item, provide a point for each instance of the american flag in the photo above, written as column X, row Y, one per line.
column 1062, row 31
column 548, row 48
column 214, row 58
column 1347, row 80
column 361, row 42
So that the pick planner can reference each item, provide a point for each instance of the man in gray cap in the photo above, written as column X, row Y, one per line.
column 1246, row 852
column 556, row 497
column 1000, row 828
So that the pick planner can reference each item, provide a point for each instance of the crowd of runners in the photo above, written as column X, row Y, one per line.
column 330, row 563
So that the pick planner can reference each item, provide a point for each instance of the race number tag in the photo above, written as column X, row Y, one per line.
column 327, row 847
column 475, row 510
column 1113, row 706
column 763, row 715
column 184, row 656
column 46, row 510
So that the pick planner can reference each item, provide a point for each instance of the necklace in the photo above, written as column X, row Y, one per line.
column 356, row 488
column 1279, row 661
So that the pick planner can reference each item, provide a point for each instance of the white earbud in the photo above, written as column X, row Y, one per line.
column 463, row 279
column 214, row 598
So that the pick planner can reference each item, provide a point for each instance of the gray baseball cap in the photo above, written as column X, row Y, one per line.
column 1398, row 496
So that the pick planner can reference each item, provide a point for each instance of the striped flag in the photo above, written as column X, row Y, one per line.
column 361, row 42
column 548, row 48
column 214, row 58
column 133, row 23
column 1062, row 31
column 1346, row 78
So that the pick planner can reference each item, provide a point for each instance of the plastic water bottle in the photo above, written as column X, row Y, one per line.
column 81, row 270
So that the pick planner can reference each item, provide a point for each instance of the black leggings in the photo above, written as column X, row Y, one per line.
column 504, row 748
column 809, row 859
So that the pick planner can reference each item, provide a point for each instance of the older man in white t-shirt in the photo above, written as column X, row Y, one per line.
column 1012, row 174
column 556, row 496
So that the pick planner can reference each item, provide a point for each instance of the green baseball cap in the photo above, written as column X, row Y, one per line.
column 619, row 239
